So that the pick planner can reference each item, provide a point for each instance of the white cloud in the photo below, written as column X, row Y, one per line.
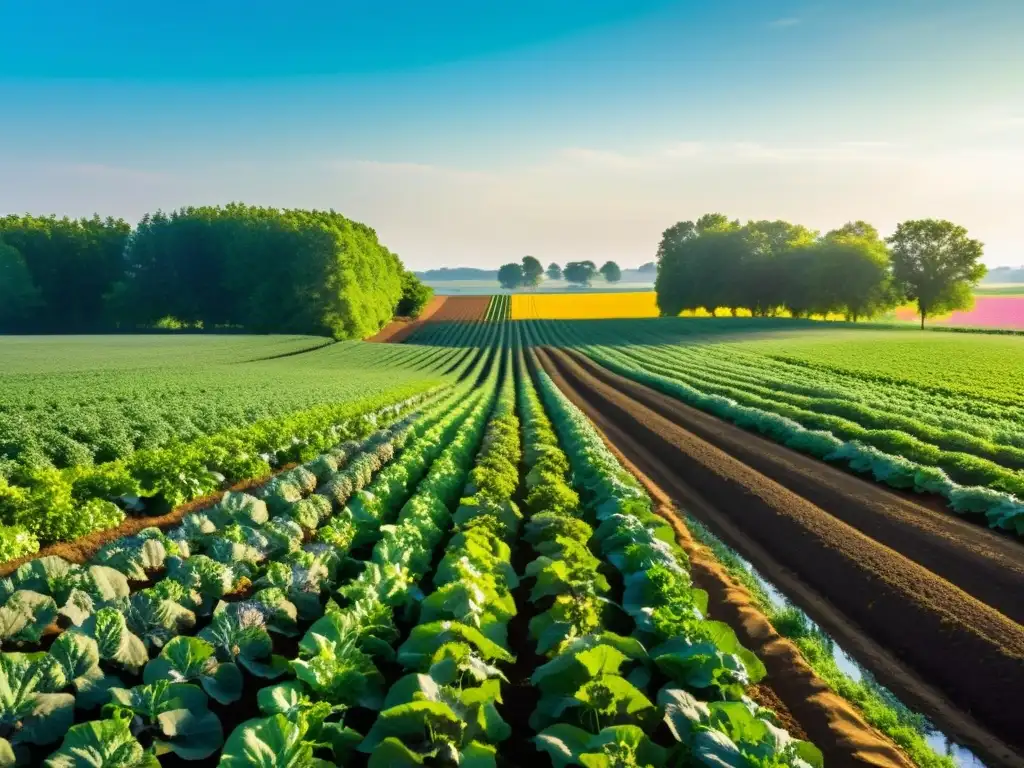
column 789, row 21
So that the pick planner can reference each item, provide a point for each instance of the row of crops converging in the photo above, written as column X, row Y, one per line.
column 968, row 451
column 470, row 578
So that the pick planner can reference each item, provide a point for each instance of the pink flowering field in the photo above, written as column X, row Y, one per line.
column 988, row 312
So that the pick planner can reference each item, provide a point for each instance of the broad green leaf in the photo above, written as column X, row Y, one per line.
column 102, row 744
column 25, row 615
column 113, row 639
column 190, row 734
column 571, row 669
column 269, row 742
column 191, row 659
column 563, row 743
column 415, row 720
column 392, row 753
column 79, row 657
column 425, row 639
column 716, row 750
column 179, row 712
column 683, row 712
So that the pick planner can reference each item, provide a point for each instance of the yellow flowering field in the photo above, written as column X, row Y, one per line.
column 592, row 306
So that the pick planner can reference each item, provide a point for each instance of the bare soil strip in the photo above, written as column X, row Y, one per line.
column 984, row 563
column 399, row 329
column 462, row 309
column 900, row 620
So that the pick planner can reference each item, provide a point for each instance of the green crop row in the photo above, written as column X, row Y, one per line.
column 1001, row 509
column 240, row 567
column 61, row 505
column 594, row 708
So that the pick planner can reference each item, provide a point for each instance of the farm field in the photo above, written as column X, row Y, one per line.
column 471, row 546
column 995, row 311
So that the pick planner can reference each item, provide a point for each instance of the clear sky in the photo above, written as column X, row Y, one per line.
column 471, row 132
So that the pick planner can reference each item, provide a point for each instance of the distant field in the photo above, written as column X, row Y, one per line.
column 1000, row 311
column 600, row 306
column 491, row 287
column 67, row 354
column 1000, row 289
column 75, row 400
column 973, row 364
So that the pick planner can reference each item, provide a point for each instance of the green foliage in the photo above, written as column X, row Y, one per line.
column 936, row 264
column 533, row 272
column 19, row 296
column 767, row 265
column 262, row 269
column 510, row 276
column 72, row 264
column 415, row 296
column 554, row 272
column 580, row 272
column 611, row 271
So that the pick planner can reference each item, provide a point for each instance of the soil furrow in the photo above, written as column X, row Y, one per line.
column 897, row 618
column 982, row 562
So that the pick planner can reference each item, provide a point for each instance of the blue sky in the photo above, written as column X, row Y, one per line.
column 474, row 132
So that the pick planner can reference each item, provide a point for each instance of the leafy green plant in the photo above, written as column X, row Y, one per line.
column 174, row 716
column 106, row 743
column 193, row 660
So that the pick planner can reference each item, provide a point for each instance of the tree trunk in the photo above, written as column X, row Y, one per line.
column 922, row 321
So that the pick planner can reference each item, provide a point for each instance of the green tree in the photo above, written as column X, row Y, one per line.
column 510, row 275
column 853, row 272
column 580, row 272
column 19, row 296
column 262, row 269
column 648, row 266
column 554, row 271
column 533, row 272
column 936, row 264
column 611, row 272
column 73, row 262
column 415, row 295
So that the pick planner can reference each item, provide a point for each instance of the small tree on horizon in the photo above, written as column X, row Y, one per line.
column 510, row 275
column 533, row 272
column 611, row 272
column 554, row 271
column 580, row 272
column 936, row 264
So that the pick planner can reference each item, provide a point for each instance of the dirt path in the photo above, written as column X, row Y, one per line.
column 399, row 329
column 896, row 617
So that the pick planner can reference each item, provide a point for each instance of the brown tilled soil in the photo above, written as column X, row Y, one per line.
column 898, row 618
column 462, row 309
column 399, row 329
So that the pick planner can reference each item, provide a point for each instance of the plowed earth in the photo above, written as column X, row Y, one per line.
column 462, row 309
column 401, row 328
column 905, row 589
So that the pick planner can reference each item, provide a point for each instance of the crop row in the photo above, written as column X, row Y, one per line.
column 499, row 308
column 595, row 707
column 889, row 456
column 241, row 568
column 363, row 603
column 50, row 505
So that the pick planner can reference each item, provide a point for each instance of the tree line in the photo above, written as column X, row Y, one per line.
column 529, row 273
column 768, row 266
column 263, row 270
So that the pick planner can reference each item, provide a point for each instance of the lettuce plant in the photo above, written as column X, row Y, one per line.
column 106, row 743
column 193, row 660
column 174, row 717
